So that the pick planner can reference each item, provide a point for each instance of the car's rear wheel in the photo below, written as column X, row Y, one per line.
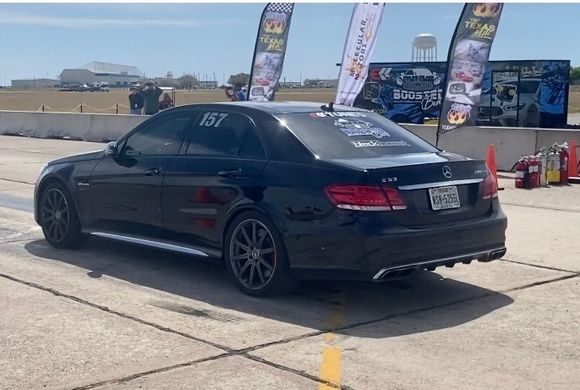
column 255, row 256
column 58, row 218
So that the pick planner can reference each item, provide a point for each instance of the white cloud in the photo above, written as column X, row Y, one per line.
column 14, row 18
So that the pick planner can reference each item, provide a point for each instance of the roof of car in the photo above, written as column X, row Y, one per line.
column 283, row 107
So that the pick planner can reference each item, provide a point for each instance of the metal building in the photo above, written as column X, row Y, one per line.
column 114, row 75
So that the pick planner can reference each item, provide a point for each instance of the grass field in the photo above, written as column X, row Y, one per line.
column 56, row 101
column 574, row 100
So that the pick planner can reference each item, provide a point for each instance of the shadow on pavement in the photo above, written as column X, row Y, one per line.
column 426, row 299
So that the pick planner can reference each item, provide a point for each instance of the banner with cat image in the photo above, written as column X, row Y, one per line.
column 269, row 51
column 358, row 49
column 466, row 61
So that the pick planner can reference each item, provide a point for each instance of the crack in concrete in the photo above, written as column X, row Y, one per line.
column 539, row 266
column 539, row 207
column 14, row 241
column 114, row 312
column 245, row 352
column 229, row 351
column 459, row 301
column 541, row 283
column 256, row 359
column 150, row 372
column 295, row 371
column 16, row 181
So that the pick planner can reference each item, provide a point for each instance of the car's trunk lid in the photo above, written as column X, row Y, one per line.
column 415, row 174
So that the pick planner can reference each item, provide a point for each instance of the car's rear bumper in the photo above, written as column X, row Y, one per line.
column 396, row 250
column 396, row 270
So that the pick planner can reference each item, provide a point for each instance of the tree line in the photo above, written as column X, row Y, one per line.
column 189, row 81
column 575, row 75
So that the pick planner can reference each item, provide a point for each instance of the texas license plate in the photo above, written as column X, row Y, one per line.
column 443, row 198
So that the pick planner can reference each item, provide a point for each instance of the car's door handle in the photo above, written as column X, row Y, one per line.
column 231, row 173
column 152, row 172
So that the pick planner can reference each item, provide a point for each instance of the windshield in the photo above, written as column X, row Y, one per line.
column 337, row 135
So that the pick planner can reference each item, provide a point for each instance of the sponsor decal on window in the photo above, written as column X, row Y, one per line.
column 374, row 144
column 357, row 127
column 337, row 114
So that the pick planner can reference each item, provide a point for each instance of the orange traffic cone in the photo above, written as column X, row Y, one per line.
column 491, row 163
column 573, row 164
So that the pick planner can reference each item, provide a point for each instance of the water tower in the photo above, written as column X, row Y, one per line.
column 424, row 48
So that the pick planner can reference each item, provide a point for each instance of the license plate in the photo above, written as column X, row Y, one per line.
column 443, row 198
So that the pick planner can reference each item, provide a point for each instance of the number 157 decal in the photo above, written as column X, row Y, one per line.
column 212, row 119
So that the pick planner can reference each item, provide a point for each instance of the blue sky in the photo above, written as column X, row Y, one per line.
column 39, row 40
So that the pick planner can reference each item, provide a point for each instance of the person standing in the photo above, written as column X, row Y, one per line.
column 166, row 102
column 135, row 101
column 242, row 94
column 151, row 94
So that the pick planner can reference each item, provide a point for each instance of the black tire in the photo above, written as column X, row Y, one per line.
column 58, row 217
column 255, row 269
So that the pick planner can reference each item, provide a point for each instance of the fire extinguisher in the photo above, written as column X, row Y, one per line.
column 543, row 159
column 553, row 168
column 522, row 173
column 534, row 166
column 563, row 154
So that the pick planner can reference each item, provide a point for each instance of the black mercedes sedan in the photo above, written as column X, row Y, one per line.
column 278, row 192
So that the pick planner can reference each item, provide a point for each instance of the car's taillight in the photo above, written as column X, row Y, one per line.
column 365, row 198
column 396, row 198
column 489, row 187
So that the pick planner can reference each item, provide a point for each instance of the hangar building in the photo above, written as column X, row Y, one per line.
column 114, row 75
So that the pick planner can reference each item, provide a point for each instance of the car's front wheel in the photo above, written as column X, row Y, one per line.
column 58, row 218
column 255, row 256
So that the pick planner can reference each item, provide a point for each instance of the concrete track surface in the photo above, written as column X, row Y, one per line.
column 113, row 316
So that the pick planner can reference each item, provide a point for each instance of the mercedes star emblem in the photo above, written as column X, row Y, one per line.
column 447, row 172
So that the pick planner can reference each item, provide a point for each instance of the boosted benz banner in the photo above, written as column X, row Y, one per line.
column 269, row 51
column 466, row 63
column 358, row 49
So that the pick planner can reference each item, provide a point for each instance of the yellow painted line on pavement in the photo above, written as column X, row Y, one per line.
column 330, row 365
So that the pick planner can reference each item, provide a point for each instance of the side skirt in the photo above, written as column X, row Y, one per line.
column 159, row 244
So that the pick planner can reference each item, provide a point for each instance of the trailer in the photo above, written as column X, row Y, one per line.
column 527, row 93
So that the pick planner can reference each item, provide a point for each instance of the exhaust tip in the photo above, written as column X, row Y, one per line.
column 498, row 254
column 397, row 273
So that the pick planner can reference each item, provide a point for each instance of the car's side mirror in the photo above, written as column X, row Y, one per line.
column 111, row 150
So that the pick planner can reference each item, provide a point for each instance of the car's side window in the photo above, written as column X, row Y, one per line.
column 160, row 137
column 221, row 133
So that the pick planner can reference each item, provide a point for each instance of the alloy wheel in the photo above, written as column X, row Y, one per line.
column 253, row 254
column 55, row 215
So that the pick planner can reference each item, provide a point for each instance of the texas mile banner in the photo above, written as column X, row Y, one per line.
column 269, row 51
column 466, row 63
column 358, row 49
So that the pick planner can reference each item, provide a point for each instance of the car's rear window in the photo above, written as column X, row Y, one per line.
column 337, row 135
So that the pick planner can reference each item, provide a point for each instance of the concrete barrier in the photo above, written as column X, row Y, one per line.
column 87, row 127
column 427, row 132
column 510, row 143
